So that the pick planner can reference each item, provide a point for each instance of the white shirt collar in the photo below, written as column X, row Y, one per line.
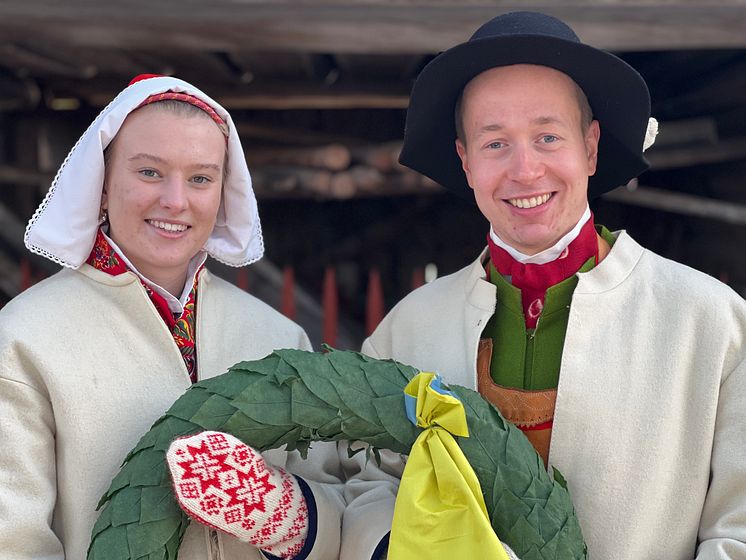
column 175, row 305
column 547, row 255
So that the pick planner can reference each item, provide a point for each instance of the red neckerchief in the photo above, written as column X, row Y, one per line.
column 103, row 257
column 534, row 279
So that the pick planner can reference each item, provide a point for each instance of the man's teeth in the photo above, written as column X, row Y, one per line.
column 166, row 226
column 530, row 202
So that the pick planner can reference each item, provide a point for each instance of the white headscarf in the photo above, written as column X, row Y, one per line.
column 63, row 228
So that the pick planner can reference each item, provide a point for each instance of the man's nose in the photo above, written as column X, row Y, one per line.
column 526, row 165
column 174, row 193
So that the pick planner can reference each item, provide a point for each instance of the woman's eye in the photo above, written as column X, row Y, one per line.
column 150, row 173
column 201, row 179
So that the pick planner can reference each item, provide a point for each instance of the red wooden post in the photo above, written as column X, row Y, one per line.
column 375, row 309
column 242, row 278
column 287, row 303
column 418, row 277
column 25, row 274
column 330, row 304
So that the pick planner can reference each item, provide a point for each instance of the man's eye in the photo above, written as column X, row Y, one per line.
column 495, row 145
column 549, row 138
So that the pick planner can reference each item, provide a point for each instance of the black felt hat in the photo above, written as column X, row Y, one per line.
column 617, row 94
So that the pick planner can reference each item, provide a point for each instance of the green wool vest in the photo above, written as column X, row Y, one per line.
column 530, row 358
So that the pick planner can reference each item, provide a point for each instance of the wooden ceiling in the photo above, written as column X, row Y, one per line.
column 305, row 54
column 310, row 73
column 370, row 26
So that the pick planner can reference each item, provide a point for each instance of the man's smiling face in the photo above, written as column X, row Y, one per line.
column 526, row 153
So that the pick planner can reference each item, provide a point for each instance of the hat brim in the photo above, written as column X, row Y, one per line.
column 617, row 94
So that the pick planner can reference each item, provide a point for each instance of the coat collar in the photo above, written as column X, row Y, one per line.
column 608, row 274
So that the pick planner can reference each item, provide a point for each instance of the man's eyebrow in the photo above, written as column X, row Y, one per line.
column 547, row 120
column 490, row 128
column 493, row 127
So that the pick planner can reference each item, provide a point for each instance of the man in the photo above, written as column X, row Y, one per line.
column 626, row 371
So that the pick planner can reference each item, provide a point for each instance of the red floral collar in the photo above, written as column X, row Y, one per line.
column 103, row 257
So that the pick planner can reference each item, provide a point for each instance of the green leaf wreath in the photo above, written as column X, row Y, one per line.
column 292, row 398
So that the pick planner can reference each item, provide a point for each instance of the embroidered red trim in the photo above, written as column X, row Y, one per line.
column 543, row 426
column 534, row 279
column 103, row 257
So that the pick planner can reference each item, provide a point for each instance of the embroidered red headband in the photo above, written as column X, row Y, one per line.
column 184, row 97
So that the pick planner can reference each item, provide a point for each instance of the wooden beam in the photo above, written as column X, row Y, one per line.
column 14, row 175
column 697, row 154
column 362, row 26
column 678, row 203
column 685, row 131
column 333, row 157
column 30, row 61
column 291, row 96
column 287, row 135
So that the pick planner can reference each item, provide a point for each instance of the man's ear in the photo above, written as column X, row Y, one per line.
column 592, row 137
column 461, row 151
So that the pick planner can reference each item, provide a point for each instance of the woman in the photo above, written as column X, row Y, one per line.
column 90, row 357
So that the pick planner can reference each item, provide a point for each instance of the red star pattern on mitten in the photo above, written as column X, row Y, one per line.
column 225, row 484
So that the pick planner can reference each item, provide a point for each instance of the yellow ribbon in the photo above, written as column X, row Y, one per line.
column 440, row 512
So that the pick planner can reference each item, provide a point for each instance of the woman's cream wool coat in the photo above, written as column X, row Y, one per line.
column 86, row 366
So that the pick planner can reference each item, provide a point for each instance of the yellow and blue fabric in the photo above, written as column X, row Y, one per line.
column 439, row 507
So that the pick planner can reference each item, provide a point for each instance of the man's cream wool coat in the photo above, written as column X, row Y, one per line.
column 86, row 366
column 650, row 424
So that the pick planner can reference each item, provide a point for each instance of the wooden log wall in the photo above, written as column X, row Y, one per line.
column 333, row 171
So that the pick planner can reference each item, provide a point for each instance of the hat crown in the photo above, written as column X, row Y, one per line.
column 525, row 23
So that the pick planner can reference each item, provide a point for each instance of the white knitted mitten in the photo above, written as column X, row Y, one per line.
column 227, row 485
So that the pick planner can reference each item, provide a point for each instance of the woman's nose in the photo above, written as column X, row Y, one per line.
column 174, row 193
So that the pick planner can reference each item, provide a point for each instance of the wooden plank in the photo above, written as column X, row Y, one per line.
column 333, row 157
column 685, row 131
column 14, row 175
column 29, row 61
column 384, row 26
column 679, row 203
column 302, row 95
column 89, row 63
column 698, row 154
column 288, row 135
column 719, row 91
column 272, row 183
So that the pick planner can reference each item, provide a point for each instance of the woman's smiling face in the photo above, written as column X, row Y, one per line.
column 526, row 153
column 163, row 189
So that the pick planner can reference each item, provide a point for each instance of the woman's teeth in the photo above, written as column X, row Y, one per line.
column 166, row 226
column 530, row 202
